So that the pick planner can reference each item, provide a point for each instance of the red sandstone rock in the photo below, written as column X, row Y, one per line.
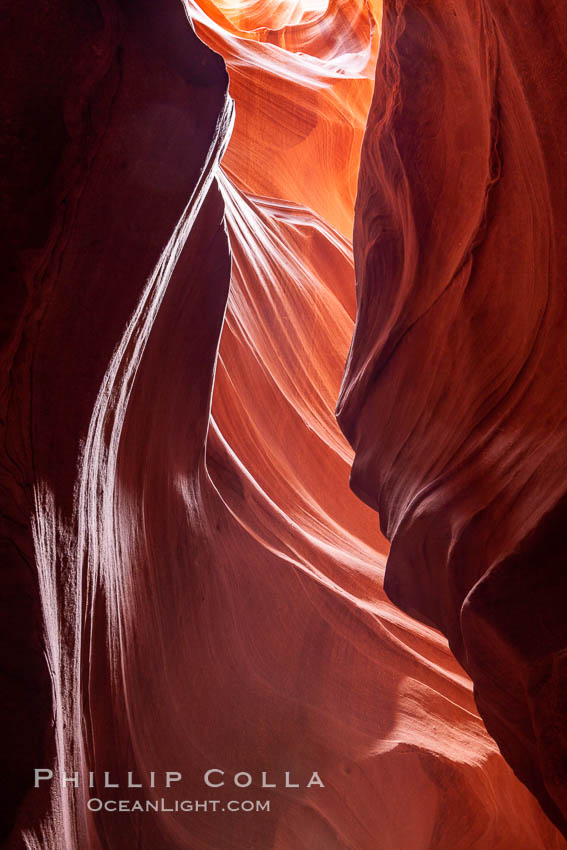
column 112, row 109
column 454, row 394
column 210, row 590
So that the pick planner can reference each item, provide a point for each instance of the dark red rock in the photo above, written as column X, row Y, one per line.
column 111, row 108
column 454, row 397
column 210, row 590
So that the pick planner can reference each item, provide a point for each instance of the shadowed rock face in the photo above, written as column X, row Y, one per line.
column 112, row 109
column 454, row 397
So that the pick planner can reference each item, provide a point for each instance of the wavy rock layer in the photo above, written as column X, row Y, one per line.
column 211, row 591
column 454, row 393
column 113, row 128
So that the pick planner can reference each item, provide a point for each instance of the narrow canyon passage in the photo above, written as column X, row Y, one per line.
column 211, row 588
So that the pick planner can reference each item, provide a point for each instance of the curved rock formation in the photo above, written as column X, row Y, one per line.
column 454, row 393
column 113, row 120
column 210, row 589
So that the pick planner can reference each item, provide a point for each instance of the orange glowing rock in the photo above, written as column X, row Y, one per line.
column 211, row 590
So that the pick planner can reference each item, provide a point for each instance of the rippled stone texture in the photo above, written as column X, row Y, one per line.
column 211, row 591
column 112, row 111
column 454, row 397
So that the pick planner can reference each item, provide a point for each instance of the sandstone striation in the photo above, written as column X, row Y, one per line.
column 193, row 586
column 454, row 392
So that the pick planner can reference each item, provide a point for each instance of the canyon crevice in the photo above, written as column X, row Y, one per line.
column 192, row 584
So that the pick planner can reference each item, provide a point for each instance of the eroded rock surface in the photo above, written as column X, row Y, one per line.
column 205, row 587
column 454, row 394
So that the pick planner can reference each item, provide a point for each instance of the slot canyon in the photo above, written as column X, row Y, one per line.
column 284, row 424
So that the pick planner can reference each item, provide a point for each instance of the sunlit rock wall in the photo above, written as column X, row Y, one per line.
column 207, row 590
